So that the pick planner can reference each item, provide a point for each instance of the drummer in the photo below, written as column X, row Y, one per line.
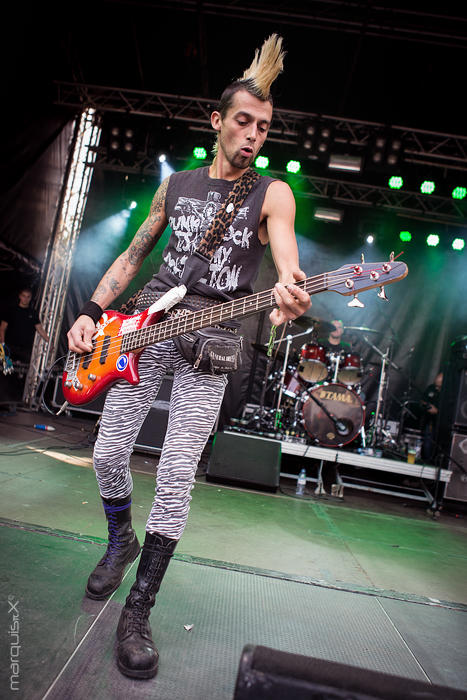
column 333, row 342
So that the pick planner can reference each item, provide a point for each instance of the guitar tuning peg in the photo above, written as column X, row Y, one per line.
column 362, row 258
column 382, row 294
column 391, row 257
column 356, row 302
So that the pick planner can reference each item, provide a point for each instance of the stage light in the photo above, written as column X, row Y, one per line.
column 162, row 158
column 405, row 236
column 345, row 163
column 432, row 240
column 458, row 244
column 293, row 166
column 370, row 239
column 332, row 215
column 199, row 153
column 133, row 205
column 427, row 187
column 262, row 162
column 459, row 192
column 395, row 182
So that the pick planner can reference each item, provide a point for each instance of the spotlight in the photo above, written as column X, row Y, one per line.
column 346, row 163
column 459, row 193
column 370, row 239
column 432, row 240
column 405, row 236
column 331, row 215
column 133, row 205
column 427, row 187
column 262, row 162
column 458, row 244
column 293, row 166
column 395, row 182
column 162, row 158
column 200, row 153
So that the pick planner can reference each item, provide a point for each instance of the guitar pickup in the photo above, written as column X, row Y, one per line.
column 88, row 357
column 105, row 349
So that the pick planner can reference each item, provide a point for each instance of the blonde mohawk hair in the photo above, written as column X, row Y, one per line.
column 265, row 67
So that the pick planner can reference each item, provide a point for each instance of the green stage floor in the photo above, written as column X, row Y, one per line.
column 371, row 581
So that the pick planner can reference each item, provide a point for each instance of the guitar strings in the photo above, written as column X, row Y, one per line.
column 214, row 313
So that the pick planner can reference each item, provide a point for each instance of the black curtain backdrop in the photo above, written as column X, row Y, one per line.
column 424, row 314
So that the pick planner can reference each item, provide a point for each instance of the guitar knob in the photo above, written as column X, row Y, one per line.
column 92, row 377
column 68, row 383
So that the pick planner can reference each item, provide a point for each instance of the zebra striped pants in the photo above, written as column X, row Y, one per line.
column 194, row 406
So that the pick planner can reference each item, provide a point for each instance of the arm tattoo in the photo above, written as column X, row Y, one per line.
column 144, row 241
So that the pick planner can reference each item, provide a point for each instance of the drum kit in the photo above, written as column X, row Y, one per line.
column 316, row 391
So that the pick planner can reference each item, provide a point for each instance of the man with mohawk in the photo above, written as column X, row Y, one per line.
column 185, row 201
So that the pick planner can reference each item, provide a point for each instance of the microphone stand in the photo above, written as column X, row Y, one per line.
column 383, row 383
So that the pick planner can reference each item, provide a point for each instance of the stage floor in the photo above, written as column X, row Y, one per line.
column 371, row 581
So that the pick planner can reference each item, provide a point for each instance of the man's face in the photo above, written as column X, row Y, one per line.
column 24, row 298
column 244, row 129
column 338, row 329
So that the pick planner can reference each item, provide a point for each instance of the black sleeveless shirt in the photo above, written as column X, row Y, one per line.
column 192, row 200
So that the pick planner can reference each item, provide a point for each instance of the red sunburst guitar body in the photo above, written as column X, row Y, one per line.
column 89, row 374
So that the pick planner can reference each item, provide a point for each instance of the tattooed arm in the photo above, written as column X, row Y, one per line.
column 123, row 270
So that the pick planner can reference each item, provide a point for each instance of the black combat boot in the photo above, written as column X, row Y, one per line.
column 137, row 655
column 122, row 549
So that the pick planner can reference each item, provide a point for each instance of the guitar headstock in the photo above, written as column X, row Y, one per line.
column 358, row 277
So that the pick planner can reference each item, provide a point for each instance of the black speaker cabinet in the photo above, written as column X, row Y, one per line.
column 456, row 488
column 269, row 674
column 460, row 415
column 151, row 436
column 245, row 460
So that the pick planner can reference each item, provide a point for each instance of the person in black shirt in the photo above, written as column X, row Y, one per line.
column 429, row 406
column 18, row 327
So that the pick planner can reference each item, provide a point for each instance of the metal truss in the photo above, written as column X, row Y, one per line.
column 56, row 274
column 432, row 149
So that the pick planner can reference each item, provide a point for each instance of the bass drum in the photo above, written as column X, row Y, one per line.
column 346, row 408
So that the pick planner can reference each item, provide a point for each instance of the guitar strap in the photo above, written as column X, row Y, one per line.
column 197, row 265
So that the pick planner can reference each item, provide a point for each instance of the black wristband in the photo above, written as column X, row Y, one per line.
column 93, row 310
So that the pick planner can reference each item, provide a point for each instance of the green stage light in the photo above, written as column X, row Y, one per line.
column 458, row 244
column 432, row 240
column 262, row 162
column 395, row 182
column 405, row 236
column 427, row 187
column 459, row 192
column 293, row 166
column 200, row 153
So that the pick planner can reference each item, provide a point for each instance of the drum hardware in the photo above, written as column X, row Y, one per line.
column 313, row 365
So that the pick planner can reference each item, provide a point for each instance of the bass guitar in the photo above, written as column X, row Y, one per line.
column 119, row 339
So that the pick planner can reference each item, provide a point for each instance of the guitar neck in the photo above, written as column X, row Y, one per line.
column 192, row 321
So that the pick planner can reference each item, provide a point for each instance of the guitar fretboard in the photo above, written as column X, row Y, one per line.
column 184, row 323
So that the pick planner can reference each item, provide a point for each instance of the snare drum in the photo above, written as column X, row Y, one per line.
column 350, row 369
column 313, row 366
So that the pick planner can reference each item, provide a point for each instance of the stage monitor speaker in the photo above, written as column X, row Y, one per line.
column 456, row 488
column 245, row 460
column 269, row 674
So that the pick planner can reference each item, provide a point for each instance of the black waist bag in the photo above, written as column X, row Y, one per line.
column 213, row 350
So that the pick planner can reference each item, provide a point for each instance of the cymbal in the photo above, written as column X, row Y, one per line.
column 263, row 349
column 319, row 325
column 361, row 328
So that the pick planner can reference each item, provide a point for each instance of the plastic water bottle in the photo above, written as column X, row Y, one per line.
column 301, row 483
column 41, row 426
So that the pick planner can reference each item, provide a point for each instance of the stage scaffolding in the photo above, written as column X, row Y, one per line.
column 56, row 271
